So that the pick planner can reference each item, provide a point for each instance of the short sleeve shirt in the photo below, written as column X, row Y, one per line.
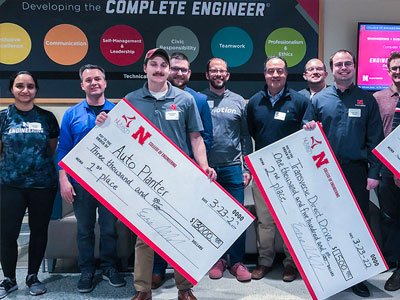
column 176, row 115
column 26, row 159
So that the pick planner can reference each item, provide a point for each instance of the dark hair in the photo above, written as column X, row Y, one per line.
column 211, row 59
column 393, row 55
column 179, row 55
column 344, row 51
column 273, row 57
column 15, row 75
column 90, row 67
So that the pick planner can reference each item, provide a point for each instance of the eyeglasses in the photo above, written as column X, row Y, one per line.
column 177, row 69
column 395, row 68
column 216, row 71
column 343, row 64
column 271, row 71
column 318, row 69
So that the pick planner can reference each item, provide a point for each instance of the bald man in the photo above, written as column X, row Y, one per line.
column 315, row 74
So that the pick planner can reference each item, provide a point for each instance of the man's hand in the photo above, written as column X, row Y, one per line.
column 66, row 189
column 246, row 178
column 212, row 175
column 101, row 118
column 310, row 125
column 396, row 181
column 372, row 183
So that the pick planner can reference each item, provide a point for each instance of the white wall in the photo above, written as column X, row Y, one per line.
column 340, row 18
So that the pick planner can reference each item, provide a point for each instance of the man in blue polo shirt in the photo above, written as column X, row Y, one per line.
column 77, row 122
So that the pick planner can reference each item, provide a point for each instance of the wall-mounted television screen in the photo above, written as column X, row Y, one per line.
column 375, row 43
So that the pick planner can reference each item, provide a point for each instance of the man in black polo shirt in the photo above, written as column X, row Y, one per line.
column 351, row 121
column 272, row 114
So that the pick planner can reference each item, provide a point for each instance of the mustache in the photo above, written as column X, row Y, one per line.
column 158, row 74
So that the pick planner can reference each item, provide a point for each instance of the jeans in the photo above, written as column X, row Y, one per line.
column 231, row 179
column 160, row 265
column 85, row 206
column 356, row 174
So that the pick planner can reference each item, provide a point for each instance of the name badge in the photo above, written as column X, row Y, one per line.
column 172, row 115
column 354, row 112
column 210, row 104
column 280, row 116
column 34, row 126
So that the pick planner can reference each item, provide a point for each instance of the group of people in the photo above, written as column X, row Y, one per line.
column 215, row 128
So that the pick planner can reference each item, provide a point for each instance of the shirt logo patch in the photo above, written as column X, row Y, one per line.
column 173, row 107
column 360, row 102
column 27, row 127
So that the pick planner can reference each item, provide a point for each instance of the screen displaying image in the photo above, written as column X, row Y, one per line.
column 375, row 43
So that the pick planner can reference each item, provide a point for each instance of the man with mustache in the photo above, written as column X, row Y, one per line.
column 175, row 113
column 179, row 77
column 389, row 188
column 315, row 74
column 231, row 142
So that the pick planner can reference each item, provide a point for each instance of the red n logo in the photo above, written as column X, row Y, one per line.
column 320, row 159
column 141, row 135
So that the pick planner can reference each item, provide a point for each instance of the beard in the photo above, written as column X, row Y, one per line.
column 216, row 85
column 178, row 82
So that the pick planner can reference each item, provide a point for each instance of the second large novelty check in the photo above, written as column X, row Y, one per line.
column 157, row 191
column 316, row 213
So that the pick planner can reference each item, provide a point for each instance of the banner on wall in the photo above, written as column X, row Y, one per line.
column 53, row 39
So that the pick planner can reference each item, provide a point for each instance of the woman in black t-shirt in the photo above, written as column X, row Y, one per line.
column 28, row 139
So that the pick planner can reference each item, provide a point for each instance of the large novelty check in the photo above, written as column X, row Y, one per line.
column 157, row 191
column 388, row 151
column 316, row 213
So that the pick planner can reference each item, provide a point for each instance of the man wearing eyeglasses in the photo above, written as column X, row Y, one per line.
column 389, row 188
column 351, row 121
column 179, row 77
column 315, row 74
column 272, row 114
column 175, row 113
column 231, row 142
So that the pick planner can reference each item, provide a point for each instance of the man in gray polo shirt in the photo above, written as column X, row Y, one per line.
column 231, row 141
column 175, row 113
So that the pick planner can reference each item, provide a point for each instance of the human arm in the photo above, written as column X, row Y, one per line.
column 199, row 153
column 310, row 125
column 374, row 135
column 207, row 133
column 246, row 178
column 397, row 180
column 66, row 189
column 52, row 145
column 101, row 118
column 65, row 144
column 372, row 183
